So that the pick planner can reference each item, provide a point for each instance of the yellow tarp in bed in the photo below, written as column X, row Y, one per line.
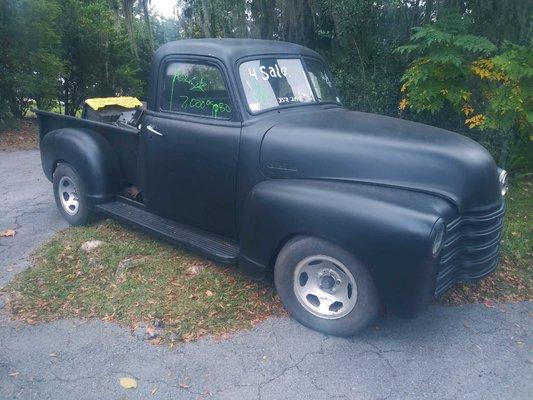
column 126, row 102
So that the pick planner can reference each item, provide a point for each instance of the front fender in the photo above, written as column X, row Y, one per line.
column 90, row 154
column 387, row 229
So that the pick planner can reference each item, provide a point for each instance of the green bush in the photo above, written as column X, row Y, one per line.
column 490, row 88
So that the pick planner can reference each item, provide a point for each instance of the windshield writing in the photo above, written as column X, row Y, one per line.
column 269, row 83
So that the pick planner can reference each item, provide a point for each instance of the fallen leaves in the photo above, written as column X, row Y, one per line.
column 109, row 318
column 165, row 296
column 506, row 284
column 127, row 265
column 23, row 137
column 132, row 262
column 151, row 332
column 91, row 245
column 128, row 383
column 133, row 192
column 489, row 303
column 8, row 233
column 155, row 341
column 194, row 269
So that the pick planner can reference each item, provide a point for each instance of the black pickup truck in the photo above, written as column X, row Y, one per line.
column 245, row 154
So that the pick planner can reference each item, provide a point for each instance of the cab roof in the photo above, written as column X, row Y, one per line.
column 230, row 50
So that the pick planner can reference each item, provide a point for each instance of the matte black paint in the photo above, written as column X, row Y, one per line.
column 120, row 146
column 191, row 172
column 387, row 229
column 371, row 148
column 90, row 154
column 372, row 184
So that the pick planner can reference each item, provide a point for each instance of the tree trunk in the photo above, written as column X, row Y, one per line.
column 264, row 17
column 297, row 22
column 206, row 20
column 128, row 14
column 146, row 15
column 65, row 105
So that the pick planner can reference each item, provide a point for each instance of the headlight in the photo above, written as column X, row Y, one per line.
column 504, row 184
column 437, row 236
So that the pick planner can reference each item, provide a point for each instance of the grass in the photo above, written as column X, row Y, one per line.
column 133, row 279
column 513, row 280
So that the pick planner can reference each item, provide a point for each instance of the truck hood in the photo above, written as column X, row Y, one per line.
column 337, row 144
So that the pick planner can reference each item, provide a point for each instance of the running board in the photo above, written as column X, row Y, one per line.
column 207, row 244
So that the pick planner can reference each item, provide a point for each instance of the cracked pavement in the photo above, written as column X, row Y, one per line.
column 26, row 205
column 468, row 352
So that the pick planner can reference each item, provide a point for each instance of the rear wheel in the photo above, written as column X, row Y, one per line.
column 324, row 287
column 70, row 195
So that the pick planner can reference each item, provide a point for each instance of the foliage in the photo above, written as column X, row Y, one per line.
column 491, row 88
column 98, row 61
column 361, row 54
column 104, row 47
column 61, row 52
column 30, row 66
column 214, row 18
column 507, row 89
column 442, row 69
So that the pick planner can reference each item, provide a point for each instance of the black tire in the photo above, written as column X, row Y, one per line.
column 81, row 215
column 366, row 307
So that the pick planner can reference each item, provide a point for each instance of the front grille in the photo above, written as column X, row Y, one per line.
column 471, row 248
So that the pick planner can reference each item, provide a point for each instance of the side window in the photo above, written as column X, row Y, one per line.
column 322, row 81
column 194, row 88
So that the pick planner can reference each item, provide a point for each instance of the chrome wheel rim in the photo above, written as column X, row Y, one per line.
column 325, row 287
column 68, row 194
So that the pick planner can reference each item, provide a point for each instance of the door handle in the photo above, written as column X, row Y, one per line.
column 153, row 130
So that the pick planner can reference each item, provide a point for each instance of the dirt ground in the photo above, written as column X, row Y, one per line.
column 22, row 136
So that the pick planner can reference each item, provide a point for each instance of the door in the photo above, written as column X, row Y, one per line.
column 189, row 148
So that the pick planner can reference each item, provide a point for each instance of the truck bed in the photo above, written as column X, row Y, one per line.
column 124, row 140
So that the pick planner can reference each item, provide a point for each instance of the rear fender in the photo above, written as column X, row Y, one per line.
column 90, row 154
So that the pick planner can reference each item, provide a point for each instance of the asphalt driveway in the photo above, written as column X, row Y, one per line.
column 470, row 352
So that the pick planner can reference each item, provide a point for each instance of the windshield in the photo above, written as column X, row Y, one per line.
column 274, row 82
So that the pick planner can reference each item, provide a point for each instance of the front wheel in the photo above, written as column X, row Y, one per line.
column 70, row 195
column 324, row 287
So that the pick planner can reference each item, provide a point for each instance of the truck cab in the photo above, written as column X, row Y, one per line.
column 245, row 154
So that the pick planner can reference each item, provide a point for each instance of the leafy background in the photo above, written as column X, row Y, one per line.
column 464, row 65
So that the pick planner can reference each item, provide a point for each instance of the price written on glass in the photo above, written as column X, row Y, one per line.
column 216, row 107
column 266, row 73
